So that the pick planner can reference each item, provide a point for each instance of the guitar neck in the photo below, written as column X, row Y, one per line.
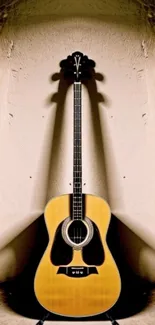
column 77, row 153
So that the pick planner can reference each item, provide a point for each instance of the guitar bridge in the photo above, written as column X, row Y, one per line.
column 77, row 271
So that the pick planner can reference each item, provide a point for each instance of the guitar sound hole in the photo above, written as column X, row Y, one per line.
column 77, row 231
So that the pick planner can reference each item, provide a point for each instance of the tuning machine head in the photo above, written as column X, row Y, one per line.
column 77, row 66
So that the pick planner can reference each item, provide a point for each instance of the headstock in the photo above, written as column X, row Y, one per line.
column 77, row 66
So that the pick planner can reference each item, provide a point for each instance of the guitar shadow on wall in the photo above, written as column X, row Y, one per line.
column 56, row 154
column 20, row 292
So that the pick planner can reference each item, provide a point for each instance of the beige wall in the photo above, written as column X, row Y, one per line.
column 36, row 142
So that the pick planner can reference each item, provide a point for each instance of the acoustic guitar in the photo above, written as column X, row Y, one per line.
column 77, row 275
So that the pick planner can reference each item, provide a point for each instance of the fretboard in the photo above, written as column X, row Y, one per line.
column 77, row 154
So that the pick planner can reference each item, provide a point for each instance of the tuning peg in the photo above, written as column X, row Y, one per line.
column 63, row 64
column 92, row 63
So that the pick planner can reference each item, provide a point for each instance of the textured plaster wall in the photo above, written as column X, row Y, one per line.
column 36, row 126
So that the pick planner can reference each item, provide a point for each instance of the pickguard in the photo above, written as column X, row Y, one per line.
column 93, row 253
column 61, row 253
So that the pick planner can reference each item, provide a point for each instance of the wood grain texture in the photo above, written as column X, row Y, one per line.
column 77, row 297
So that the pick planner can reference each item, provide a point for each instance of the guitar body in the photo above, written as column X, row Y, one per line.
column 76, row 289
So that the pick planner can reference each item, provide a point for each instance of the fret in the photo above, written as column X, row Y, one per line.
column 77, row 218
column 78, row 191
column 78, row 196
column 78, row 211
column 77, row 178
column 77, row 200
column 77, row 203
column 75, row 192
